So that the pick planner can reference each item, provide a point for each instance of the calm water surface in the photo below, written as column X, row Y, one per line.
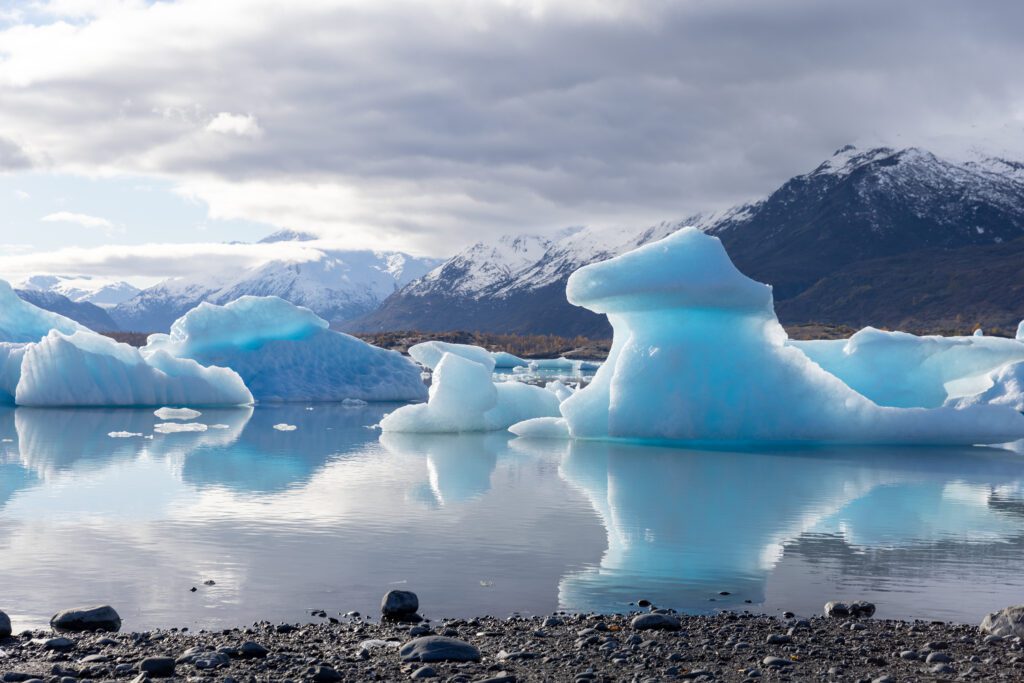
column 332, row 515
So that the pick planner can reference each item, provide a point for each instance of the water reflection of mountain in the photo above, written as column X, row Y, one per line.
column 459, row 466
column 684, row 525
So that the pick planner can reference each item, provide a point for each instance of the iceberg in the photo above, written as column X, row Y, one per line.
column 430, row 353
column 1006, row 387
column 464, row 398
column 21, row 322
column 699, row 357
column 288, row 353
column 87, row 369
column 906, row 371
column 505, row 360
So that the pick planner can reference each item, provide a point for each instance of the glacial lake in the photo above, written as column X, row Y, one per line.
column 332, row 515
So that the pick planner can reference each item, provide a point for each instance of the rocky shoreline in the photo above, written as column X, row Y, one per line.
column 649, row 645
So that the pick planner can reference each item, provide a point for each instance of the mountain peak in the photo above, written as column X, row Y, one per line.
column 289, row 236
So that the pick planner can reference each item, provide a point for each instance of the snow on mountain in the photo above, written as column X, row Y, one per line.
column 336, row 284
column 856, row 206
column 103, row 292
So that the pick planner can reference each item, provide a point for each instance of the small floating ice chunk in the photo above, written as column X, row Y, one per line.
column 542, row 428
column 175, row 427
column 177, row 413
column 219, row 426
column 503, row 359
column 463, row 398
column 979, row 332
column 560, row 390
column 122, row 435
column 283, row 427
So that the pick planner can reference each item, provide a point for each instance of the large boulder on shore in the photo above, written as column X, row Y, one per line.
column 101, row 618
column 5, row 625
column 399, row 604
column 1006, row 623
column 438, row 649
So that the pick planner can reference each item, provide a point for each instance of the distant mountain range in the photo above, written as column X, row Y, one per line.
column 897, row 238
column 880, row 236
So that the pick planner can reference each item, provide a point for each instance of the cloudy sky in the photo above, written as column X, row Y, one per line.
column 136, row 136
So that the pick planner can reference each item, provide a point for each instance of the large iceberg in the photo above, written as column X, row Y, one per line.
column 87, row 369
column 698, row 356
column 464, row 398
column 904, row 370
column 21, row 322
column 1006, row 387
column 285, row 352
column 49, row 360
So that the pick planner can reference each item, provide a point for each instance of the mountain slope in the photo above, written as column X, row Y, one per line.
column 90, row 315
column 855, row 209
column 336, row 284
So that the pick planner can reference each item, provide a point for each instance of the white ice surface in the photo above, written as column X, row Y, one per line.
column 429, row 353
column 463, row 398
column 907, row 371
column 287, row 353
column 698, row 356
column 21, row 322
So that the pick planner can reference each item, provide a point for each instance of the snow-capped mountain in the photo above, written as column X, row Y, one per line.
column 857, row 207
column 102, row 292
column 336, row 284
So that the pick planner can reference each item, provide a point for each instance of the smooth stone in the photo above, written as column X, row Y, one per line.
column 776, row 639
column 5, row 625
column 909, row 655
column 59, row 643
column 438, row 649
column 500, row 677
column 424, row 672
column 937, row 658
column 325, row 674
column 942, row 669
column 646, row 622
column 251, row 650
column 157, row 667
column 398, row 604
column 840, row 610
column 776, row 662
column 101, row 618
column 211, row 660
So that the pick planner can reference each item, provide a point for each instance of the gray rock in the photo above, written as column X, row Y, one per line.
column 325, row 674
column 251, row 650
column 776, row 662
column 5, row 625
column 101, row 618
column 777, row 639
column 211, row 660
column 438, row 649
column 424, row 672
column 937, row 658
column 908, row 655
column 840, row 610
column 157, row 667
column 942, row 669
column 59, row 643
column 1007, row 622
column 646, row 622
column 399, row 604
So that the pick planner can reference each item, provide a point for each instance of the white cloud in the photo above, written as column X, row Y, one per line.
column 85, row 220
column 22, row 195
column 427, row 123
column 244, row 126
column 154, row 260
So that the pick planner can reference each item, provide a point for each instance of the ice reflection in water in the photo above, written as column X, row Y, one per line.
column 333, row 514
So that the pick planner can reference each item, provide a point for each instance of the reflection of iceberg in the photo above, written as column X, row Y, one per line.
column 698, row 356
column 262, row 459
column 683, row 526
column 50, row 440
column 459, row 467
